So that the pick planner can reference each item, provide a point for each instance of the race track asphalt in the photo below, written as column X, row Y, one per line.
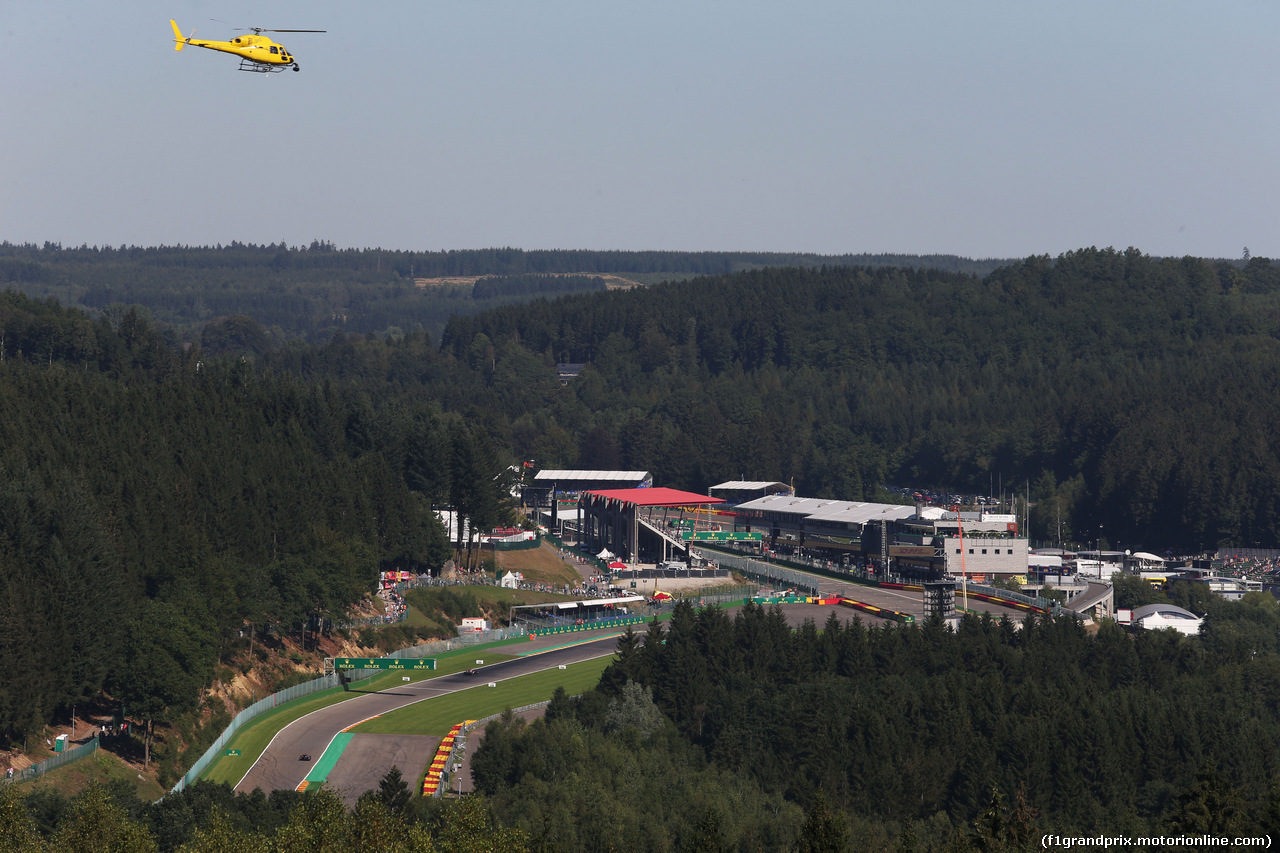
column 279, row 767
column 367, row 757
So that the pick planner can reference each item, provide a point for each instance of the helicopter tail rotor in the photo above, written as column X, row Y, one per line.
column 179, row 41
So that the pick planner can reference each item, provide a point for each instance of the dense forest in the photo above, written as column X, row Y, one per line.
column 313, row 291
column 154, row 503
column 166, row 487
column 739, row 730
column 208, row 818
column 719, row 732
column 1110, row 388
column 227, row 470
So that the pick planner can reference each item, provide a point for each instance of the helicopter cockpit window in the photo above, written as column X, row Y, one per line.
column 273, row 49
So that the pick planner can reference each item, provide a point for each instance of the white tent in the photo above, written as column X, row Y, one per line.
column 511, row 580
column 1157, row 616
column 605, row 554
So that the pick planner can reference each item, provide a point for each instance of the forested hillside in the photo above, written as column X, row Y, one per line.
column 1112, row 387
column 159, row 493
column 313, row 291
column 1114, row 390
column 153, row 502
column 902, row 738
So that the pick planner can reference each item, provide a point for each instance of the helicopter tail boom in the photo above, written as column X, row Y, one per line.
column 177, row 36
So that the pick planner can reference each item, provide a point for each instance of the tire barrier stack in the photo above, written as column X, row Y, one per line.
column 435, row 773
column 896, row 615
column 275, row 700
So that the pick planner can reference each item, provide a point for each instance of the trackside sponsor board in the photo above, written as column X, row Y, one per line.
column 384, row 663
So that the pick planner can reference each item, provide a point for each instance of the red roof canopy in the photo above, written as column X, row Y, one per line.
column 657, row 497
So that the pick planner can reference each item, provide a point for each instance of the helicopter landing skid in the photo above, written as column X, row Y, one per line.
column 260, row 68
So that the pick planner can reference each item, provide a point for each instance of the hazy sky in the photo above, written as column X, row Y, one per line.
column 983, row 128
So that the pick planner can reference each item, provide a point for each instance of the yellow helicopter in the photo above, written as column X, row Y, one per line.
column 257, row 52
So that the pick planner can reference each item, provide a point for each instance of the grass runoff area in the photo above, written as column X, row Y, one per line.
column 437, row 715
column 253, row 737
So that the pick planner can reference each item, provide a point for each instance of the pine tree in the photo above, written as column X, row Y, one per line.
column 824, row 830
column 394, row 791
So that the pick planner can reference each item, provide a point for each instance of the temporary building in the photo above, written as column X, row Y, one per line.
column 1156, row 616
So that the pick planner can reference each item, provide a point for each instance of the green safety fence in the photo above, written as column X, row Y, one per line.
column 61, row 759
column 297, row 691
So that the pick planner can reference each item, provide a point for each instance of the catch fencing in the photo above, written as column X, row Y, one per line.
column 439, row 647
column 1010, row 595
column 515, row 543
column 809, row 582
column 779, row 575
column 257, row 709
column 60, row 759
column 298, row 691
column 731, row 595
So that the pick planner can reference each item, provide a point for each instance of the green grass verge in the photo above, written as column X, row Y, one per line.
column 513, row 641
column 437, row 715
column 489, row 596
column 102, row 766
column 253, row 737
column 518, row 596
column 415, row 618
